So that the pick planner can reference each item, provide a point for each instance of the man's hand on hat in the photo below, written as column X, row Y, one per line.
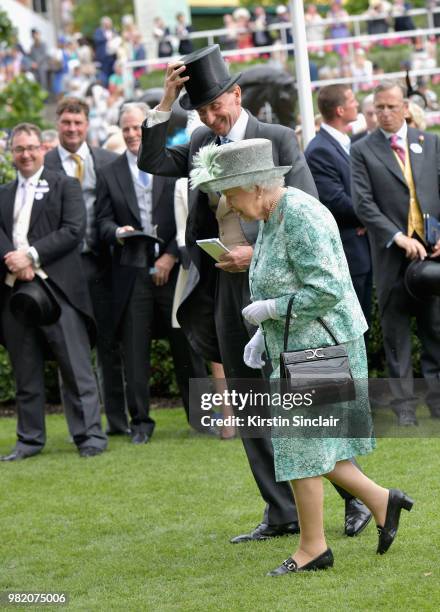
column 17, row 260
column 436, row 249
column 237, row 260
column 27, row 274
column 412, row 247
column 174, row 81
column 122, row 230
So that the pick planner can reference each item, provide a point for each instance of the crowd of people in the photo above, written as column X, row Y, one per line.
column 95, row 68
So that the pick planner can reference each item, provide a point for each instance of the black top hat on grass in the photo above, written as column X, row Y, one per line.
column 138, row 250
column 208, row 76
column 33, row 303
column 422, row 278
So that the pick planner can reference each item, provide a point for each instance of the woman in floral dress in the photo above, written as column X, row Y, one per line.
column 299, row 253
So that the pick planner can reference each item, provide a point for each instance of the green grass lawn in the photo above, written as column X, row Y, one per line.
column 147, row 528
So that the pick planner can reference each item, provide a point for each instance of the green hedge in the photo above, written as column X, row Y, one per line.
column 163, row 380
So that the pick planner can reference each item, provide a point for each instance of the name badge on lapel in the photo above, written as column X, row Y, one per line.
column 415, row 147
column 41, row 189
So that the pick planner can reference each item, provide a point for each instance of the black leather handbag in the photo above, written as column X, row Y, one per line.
column 324, row 371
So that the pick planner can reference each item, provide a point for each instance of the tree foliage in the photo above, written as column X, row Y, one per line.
column 7, row 30
column 7, row 172
column 22, row 100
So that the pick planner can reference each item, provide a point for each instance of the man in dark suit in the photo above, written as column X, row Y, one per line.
column 395, row 180
column 75, row 158
column 42, row 223
column 328, row 157
column 129, row 200
column 210, row 311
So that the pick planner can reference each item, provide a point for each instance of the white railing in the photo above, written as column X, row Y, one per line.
column 277, row 46
column 376, row 78
column 282, row 26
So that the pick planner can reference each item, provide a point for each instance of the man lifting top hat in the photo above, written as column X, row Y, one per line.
column 210, row 313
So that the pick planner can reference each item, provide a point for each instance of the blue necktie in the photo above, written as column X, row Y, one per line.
column 225, row 140
column 144, row 179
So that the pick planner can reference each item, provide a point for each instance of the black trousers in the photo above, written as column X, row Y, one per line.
column 150, row 307
column 233, row 334
column 363, row 285
column 110, row 376
column 396, row 327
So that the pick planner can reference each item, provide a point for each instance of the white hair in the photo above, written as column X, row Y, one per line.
column 268, row 184
column 131, row 106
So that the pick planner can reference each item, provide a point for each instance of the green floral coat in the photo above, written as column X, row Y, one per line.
column 299, row 252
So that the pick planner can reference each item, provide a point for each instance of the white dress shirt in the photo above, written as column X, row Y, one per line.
column 340, row 137
column 24, row 201
column 69, row 165
column 402, row 134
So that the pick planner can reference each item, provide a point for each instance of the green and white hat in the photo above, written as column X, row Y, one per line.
column 218, row 168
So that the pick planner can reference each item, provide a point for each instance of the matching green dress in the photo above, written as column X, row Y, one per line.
column 299, row 252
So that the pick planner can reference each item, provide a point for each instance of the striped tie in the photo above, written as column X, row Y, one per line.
column 397, row 148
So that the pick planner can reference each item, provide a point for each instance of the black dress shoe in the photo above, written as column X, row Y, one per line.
column 407, row 418
column 117, row 432
column 396, row 501
column 357, row 517
column 265, row 532
column 140, row 437
column 17, row 455
column 90, row 451
column 324, row 561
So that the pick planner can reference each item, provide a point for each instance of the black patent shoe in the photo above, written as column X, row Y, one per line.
column 324, row 561
column 266, row 532
column 357, row 517
column 397, row 501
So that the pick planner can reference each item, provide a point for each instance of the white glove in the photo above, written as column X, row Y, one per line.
column 253, row 351
column 259, row 311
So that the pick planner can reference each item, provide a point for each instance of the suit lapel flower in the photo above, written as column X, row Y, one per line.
column 41, row 189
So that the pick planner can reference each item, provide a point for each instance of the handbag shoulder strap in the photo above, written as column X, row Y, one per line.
column 287, row 325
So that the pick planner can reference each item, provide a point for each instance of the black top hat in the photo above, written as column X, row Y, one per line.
column 33, row 303
column 138, row 249
column 422, row 278
column 208, row 76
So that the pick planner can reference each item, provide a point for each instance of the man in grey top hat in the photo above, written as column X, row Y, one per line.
column 210, row 312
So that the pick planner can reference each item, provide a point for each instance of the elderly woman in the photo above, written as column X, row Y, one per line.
column 299, row 253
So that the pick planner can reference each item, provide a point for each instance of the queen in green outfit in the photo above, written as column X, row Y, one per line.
column 299, row 253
